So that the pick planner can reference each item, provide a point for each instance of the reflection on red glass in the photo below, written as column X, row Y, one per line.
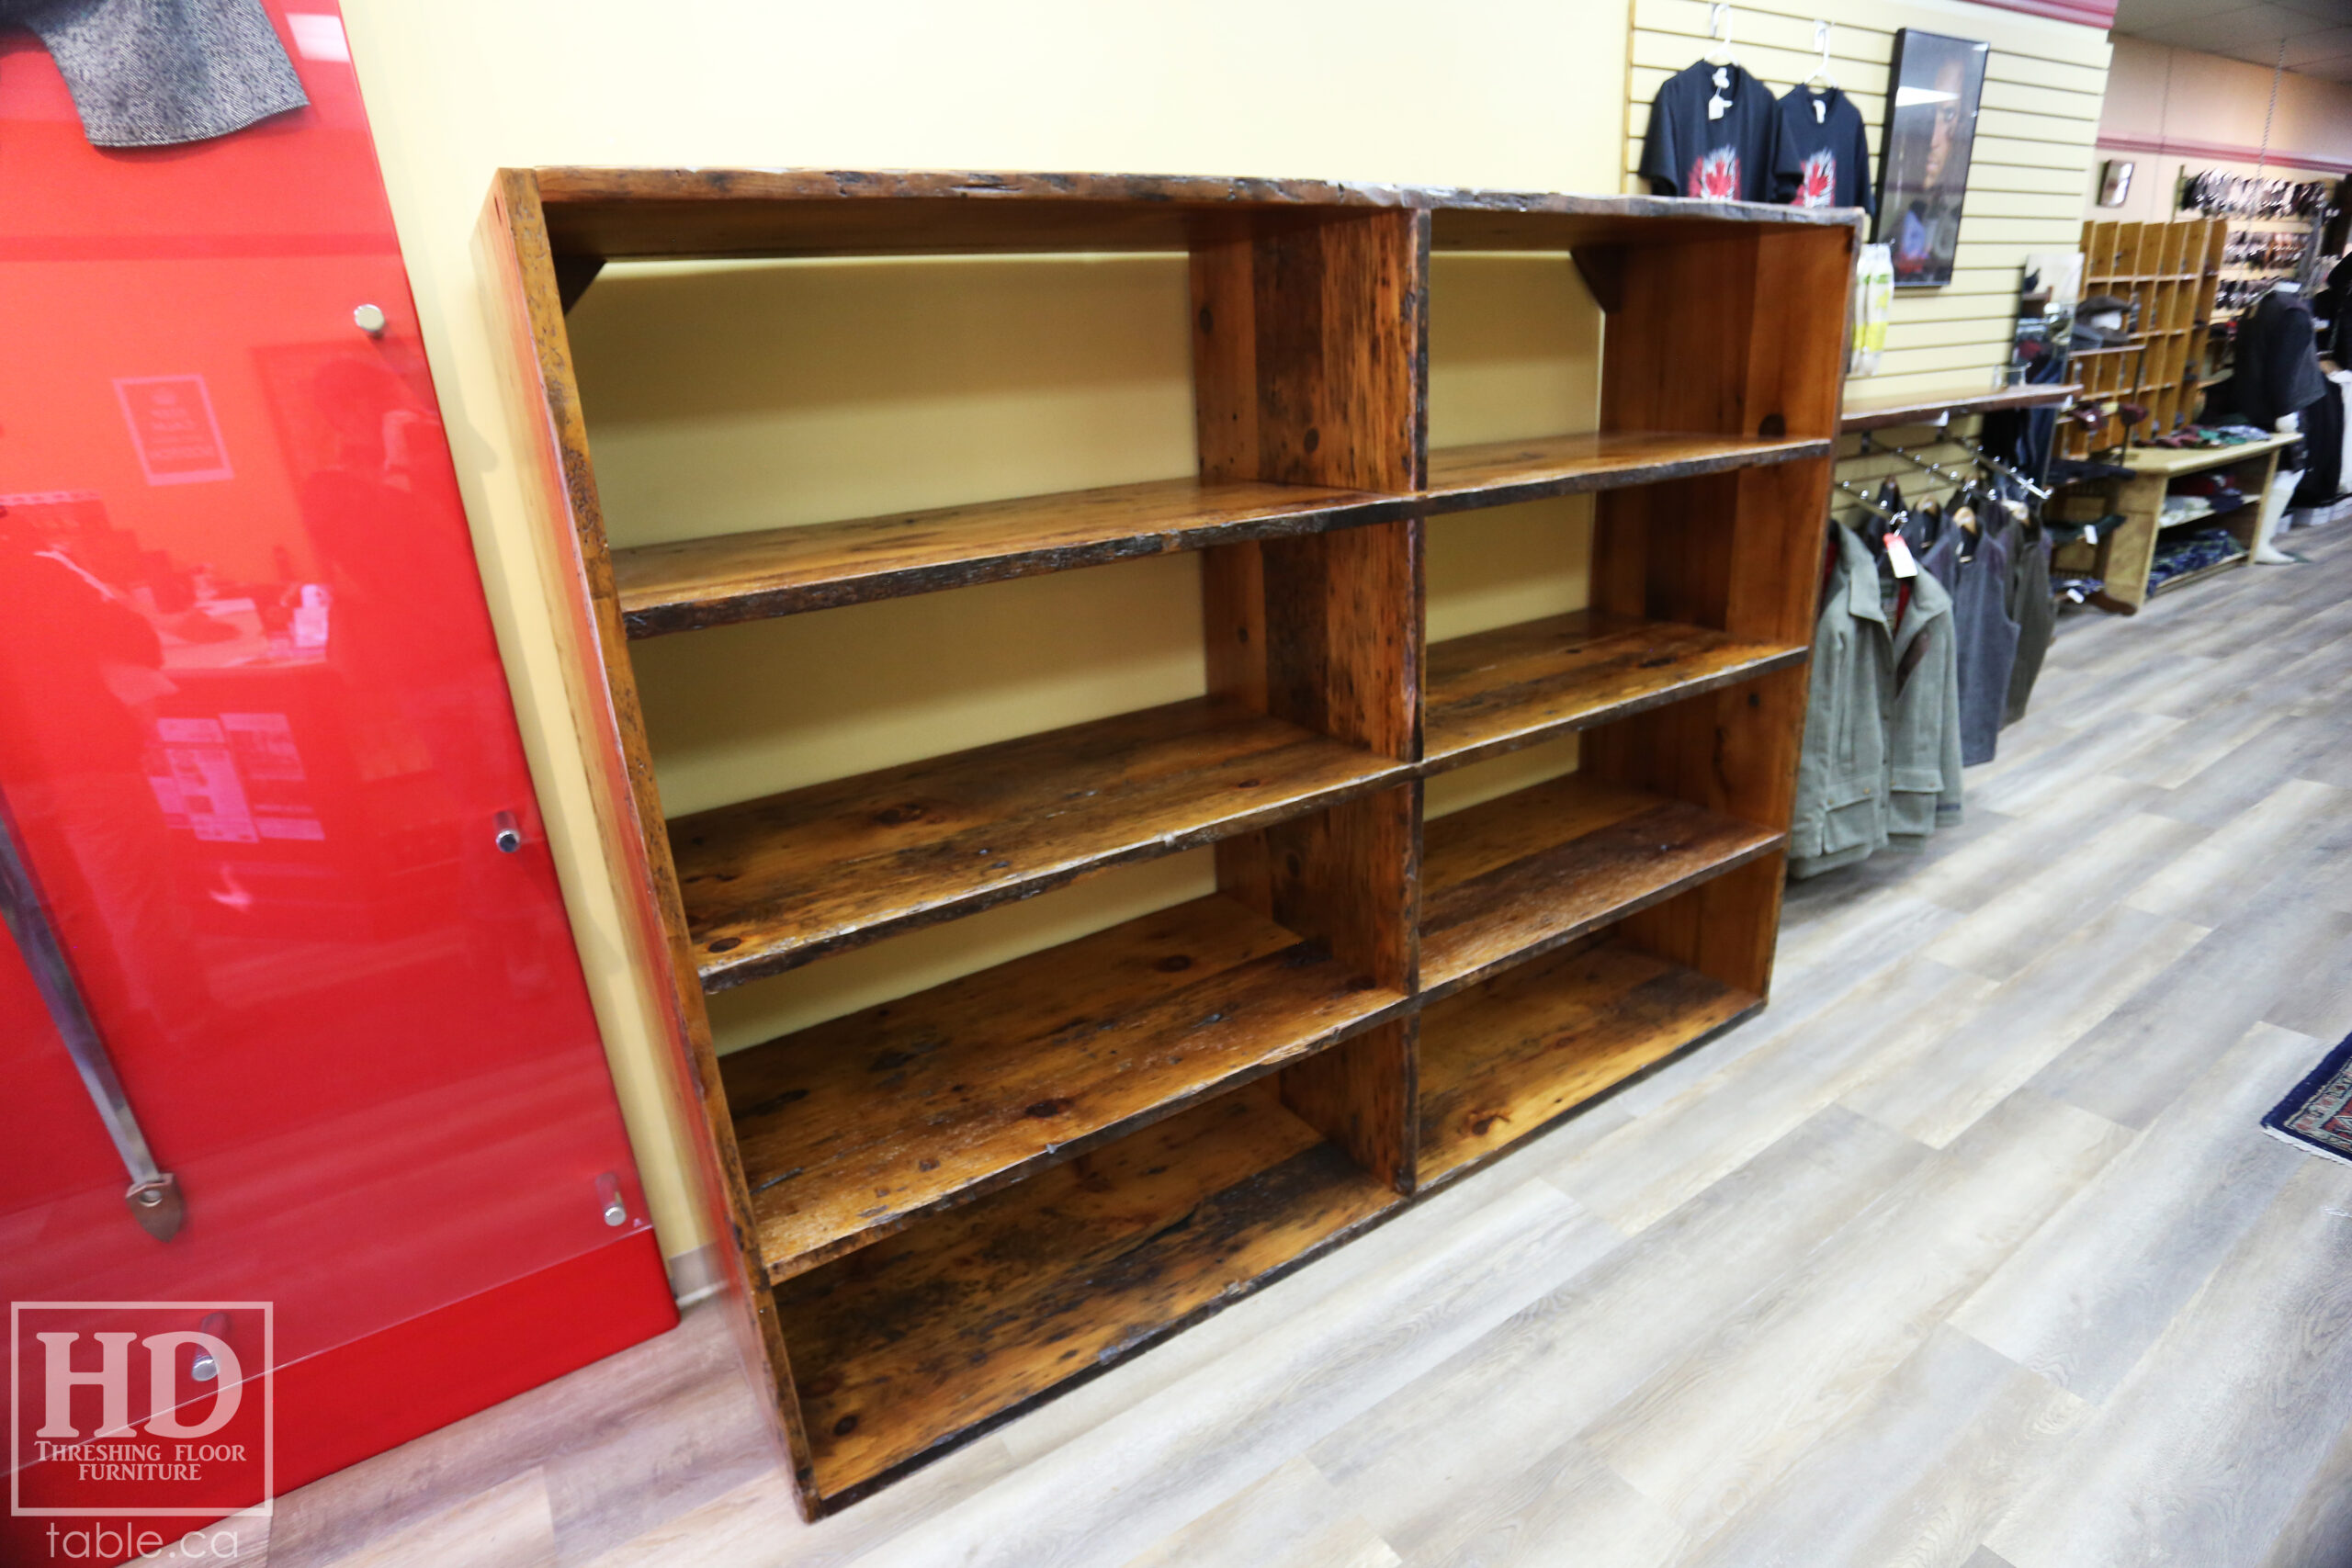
column 256, row 737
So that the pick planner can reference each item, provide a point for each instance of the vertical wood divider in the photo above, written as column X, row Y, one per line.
column 551, row 439
column 1739, row 552
column 1309, row 366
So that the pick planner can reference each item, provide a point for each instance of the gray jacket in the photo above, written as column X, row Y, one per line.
column 1881, row 760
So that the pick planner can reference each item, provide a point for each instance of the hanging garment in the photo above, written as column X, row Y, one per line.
column 1823, row 155
column 1724, row 156
column 2278, row 369
column 151, row 72
column 1988, row 635
column 2031, row 606
column 2323, row 439
column 2342, row 381
column 1879, row 762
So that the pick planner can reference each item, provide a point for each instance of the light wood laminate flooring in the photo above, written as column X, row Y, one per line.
column 1966, row 1254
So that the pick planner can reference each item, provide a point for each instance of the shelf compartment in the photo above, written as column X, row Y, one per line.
column 1505, row 1059
column 1500, row 473
column 770, row 884
column 962, row 1320
column 849, row 1129
column 1499, row 690
column 717, row 581
column 1519, row 876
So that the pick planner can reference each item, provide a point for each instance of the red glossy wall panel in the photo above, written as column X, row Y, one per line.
column 256, row 738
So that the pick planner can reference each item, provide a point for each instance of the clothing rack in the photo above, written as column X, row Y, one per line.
column 1863, row 498
column 2007, row 473
column 1871, row 446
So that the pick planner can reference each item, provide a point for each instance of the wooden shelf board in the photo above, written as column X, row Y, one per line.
column 949, row 1327
column 1499, row 690
column 617, row 213
column 1503, row 1060
column 1499, row 473
column 770, row 884
column 713, row 582
column 1882, row 414
column 849, row 1129
column 2202, row 572
column 1526, row 872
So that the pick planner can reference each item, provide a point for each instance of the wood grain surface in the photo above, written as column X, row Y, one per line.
column 1503, row 473
column 727, row 577
column 851, row 1128
column 647, row 213
column 938, row 1328
column 1500, row 1060
column 1522, row 874
column 1495, row 690
column 773, row 883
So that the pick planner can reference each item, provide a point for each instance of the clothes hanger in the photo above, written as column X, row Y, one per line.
column 1719, row 25
column 1823, row 79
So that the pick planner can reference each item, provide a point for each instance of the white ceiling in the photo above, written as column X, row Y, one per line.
column 2318, row 33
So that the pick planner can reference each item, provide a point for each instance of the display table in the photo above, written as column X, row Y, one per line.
column 2122, row 556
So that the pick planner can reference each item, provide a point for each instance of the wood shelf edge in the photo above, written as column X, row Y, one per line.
column 1432, row 1182
column 1769, row 841
column 1543, row 480
column 1882, row 414
column 651, row 608
column 829, row 1502
column 1780, row 657
column 1392, row 1004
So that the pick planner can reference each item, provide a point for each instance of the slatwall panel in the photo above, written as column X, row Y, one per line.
column 2035, row 148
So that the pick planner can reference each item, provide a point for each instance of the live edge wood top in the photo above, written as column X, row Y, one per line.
column 851, row 1128
column 1882, row 413
column 776, row 572
column 1498, row 473
column 769, row 884
column 1499, row 690
column 614, row 214
column 1530, row 871
column 693, row 583
column 929, row 1336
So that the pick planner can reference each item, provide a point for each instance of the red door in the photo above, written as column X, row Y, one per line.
column 259, row 753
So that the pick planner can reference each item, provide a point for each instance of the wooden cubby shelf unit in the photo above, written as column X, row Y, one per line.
column 943, row 1208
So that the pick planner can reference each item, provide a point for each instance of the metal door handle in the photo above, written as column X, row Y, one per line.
column 154, row 1195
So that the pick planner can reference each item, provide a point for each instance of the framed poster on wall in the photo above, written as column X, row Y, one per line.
column 1934, row 84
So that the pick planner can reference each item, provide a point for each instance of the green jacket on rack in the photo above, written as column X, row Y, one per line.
column 1880, row 764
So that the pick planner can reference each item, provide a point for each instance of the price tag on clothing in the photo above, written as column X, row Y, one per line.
column 1716, row 106
column 1820, row 111
column 2090, row 532
column 1898, row 556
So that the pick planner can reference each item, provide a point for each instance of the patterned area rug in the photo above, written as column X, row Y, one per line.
column 2318, row 1115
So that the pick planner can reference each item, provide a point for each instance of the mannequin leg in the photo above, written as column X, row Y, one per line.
column 2274, row 507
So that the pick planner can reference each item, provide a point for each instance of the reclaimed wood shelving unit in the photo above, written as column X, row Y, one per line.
column 950, row 1206
column 2173, row 270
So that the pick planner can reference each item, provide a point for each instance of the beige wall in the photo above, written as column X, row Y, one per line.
column 730, row 396
column 2156, row 91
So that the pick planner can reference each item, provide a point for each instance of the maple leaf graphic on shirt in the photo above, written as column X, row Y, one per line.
column 1817, row 181
column 1714, row 177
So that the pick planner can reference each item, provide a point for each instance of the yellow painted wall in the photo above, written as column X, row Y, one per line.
column 728, row 397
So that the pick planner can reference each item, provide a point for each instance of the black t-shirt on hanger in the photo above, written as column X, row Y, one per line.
column 1824, row 154
column 1725, row 158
